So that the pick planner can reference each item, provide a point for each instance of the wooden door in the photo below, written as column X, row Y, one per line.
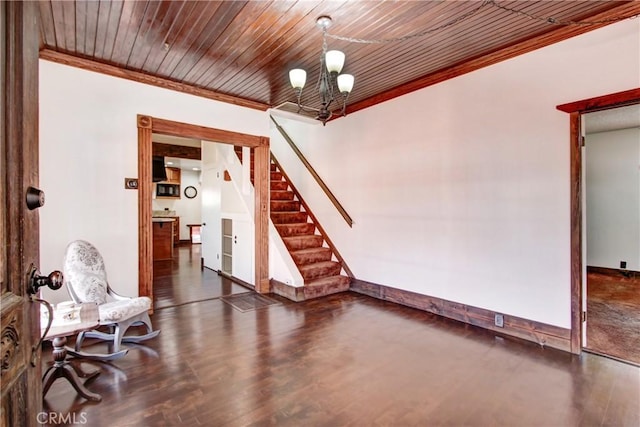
column 21, row 388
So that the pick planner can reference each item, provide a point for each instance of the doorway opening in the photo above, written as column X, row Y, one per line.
column 147, row 126
column 576, row 111
column 192, row 266
column 611, row 155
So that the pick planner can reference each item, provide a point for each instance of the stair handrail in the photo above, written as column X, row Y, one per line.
column 323, row 233
column 314, row 174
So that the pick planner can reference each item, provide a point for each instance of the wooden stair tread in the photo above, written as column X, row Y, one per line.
column 303, row 237
column 295, row 228
column 303, row 241
column 288, row 217
column 319, row 265
column 281, row 195
column 310, row 250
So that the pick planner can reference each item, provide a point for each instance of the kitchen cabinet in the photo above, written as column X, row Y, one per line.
column 163, row 238
column 174, row 227
column 173, row 176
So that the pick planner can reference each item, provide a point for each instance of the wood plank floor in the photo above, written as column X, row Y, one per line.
column 180, row 280
column 346, row 360
column 613, row 315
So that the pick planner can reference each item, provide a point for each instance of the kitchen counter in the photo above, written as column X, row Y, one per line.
column 161, row 219
column 169, row 216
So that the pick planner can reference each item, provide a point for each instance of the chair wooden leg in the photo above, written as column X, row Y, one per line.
column 84, row 374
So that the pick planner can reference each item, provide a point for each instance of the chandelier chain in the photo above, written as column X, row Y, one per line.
column 324, row 41
column 467, row 15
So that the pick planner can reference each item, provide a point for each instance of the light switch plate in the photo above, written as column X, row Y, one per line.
column 131, row 183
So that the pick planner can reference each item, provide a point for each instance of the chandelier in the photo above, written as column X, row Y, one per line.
column 330, row 81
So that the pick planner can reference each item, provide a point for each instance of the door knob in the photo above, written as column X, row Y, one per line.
column 36, row 281
column 34, row 198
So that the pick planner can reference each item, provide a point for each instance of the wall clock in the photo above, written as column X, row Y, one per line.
column 190, row 192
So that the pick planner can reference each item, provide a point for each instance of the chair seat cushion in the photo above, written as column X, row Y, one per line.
column 115, row 311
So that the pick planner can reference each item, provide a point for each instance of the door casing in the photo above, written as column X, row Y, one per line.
column 148, row 125
column 576, row 110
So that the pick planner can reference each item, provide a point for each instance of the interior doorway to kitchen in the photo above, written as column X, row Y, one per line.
column 147, row 126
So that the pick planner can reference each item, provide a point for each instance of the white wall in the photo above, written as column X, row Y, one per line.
column 613, row 198
column 461, row 190
column 189, row 210
column 88, row 145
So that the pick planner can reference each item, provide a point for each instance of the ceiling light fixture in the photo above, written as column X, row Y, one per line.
column 330, row 80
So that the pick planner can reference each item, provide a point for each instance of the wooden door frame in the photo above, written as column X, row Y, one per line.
column 576, row 110
column 147, row 126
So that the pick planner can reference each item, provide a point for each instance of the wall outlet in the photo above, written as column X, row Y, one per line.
column 623, row 264
column 499, row 320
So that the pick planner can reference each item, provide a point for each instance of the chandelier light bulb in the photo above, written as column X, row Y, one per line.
column 334, row 60
column 345, row 83
column 298, row 78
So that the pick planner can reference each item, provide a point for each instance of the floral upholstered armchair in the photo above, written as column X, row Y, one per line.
column 86, row 280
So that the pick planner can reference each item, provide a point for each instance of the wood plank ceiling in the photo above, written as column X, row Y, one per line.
column 244, row 49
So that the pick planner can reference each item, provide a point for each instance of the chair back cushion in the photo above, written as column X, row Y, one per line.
column 84, row 273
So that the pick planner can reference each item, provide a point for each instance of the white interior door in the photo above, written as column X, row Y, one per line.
column 211, row 204
column 243, row 250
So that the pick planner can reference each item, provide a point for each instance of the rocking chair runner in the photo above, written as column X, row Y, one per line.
column 86, row 280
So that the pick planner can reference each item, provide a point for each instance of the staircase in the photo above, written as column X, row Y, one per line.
column 322, row 275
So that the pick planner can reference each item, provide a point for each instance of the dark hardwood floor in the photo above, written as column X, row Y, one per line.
column 345, row 360
column 613, row 315
column 180, row 281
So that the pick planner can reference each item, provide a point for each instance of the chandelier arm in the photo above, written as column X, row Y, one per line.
column 299, row 98
column 344, row 102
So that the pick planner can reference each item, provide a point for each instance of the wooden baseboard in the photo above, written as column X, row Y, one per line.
column 292, row 293
column 235, row 280
column 614, row 272
column 541, row 333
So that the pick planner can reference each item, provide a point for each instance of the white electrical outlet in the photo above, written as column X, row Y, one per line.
column 499, row 320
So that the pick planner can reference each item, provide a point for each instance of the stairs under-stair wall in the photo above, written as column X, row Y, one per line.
column 316, row 262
